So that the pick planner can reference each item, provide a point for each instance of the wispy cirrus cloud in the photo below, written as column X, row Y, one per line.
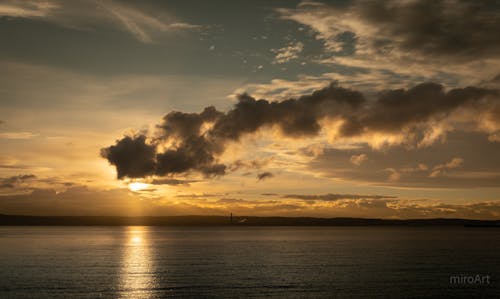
column 141, row 24
column 27, row 182
column 335, row 196
column 17, row 135
column 144, row 25
column 441, row 169
column 12, row 181
column 27, row 9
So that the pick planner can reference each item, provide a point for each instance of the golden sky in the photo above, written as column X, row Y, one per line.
column 332, row 109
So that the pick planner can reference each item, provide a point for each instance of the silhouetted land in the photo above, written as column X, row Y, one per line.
column 236, row 221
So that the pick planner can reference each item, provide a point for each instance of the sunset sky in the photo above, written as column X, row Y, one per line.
column 387, row 109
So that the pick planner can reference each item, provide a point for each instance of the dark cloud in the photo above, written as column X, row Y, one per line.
column 461, row 29
column 396, row 109
column 335, row 197
column 245, row 201
column 8, row 166
column 173, row 182
column 132, row 156
column 195, row 149
column 295, row 117
column 204, row 195
column 251, row 164
column 12, row 181
column 187, row 142
column 496, row 79
column 264, row 175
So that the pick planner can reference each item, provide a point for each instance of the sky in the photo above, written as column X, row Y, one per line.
column 380, row 109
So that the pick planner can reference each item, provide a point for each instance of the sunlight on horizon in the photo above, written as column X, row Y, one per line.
column 137, row 186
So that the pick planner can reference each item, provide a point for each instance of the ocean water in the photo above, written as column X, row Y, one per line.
column 249, row 262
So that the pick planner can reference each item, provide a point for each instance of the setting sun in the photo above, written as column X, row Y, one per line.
column 137, row 186
column 136, row 239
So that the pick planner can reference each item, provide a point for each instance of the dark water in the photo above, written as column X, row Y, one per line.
column 247, row 262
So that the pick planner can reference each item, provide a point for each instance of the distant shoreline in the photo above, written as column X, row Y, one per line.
column 21, row 220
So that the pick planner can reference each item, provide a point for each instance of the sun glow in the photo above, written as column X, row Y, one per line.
column 136, row 240
column 137, row 186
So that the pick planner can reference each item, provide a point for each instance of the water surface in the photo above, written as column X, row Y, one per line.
column 247, row 262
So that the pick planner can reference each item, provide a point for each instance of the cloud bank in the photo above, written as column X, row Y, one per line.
column 193, row 142
column 335, row 196
column 412, row 37
column 80, row 200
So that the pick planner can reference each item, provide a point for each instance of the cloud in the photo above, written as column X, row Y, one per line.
column 237, row 201
column 73, row 201
column 172, row 182
column 407, row 37
column 466, row 30
column 335, row 197
column 142, row 25
column 358, row 159
column 80, row 200
column 288, row 53
column 264, row 175
column 396, row 109
column 440, row 169
column 467, row 159
column 193, row 141
column 14, row 166
column 27, row 9
column 27, row 183
column 394, row 175
column 17, row 135
column 474, row 210
column 132, row 156
column 14, row 181
column 202, row 195
column 250, row 164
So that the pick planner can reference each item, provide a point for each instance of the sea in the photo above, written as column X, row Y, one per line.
column 249, row 262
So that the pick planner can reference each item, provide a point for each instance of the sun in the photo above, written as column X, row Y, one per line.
column 137, row 186
column 136, row 240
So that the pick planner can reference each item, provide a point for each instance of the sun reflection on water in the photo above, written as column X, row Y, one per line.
column 137, row 274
